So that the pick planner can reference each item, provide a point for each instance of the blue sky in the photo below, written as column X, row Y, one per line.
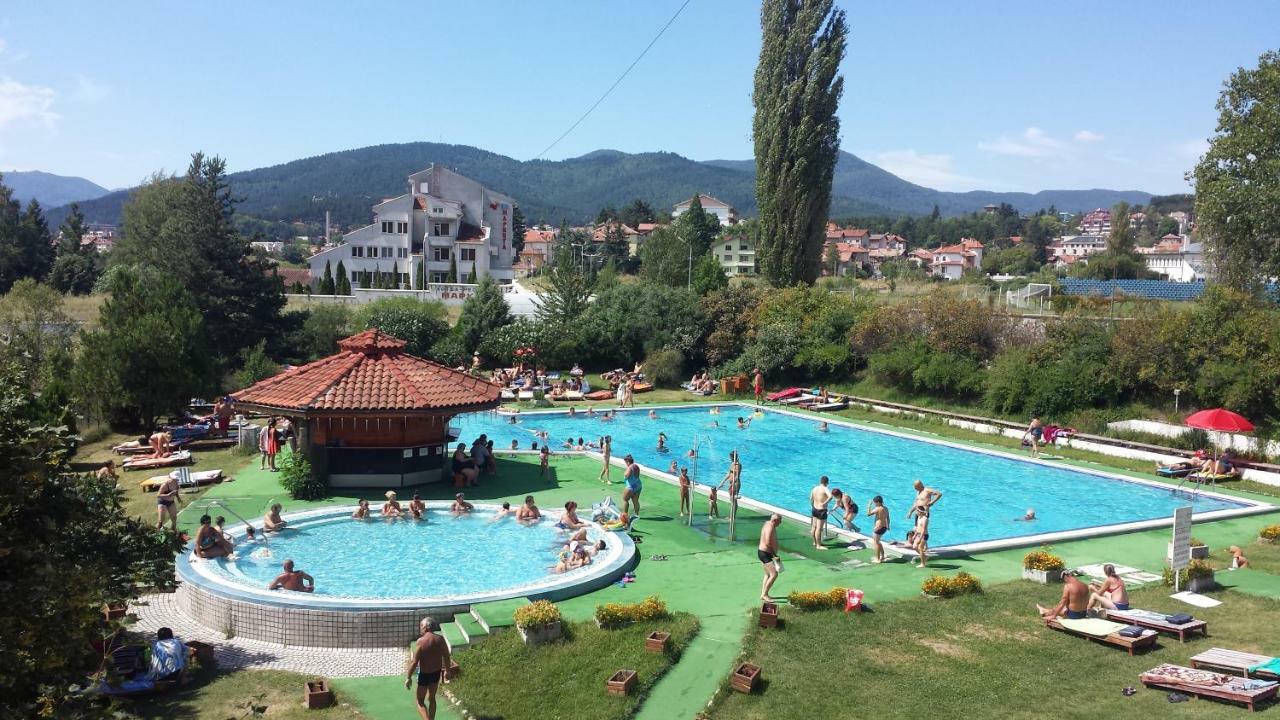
column 990, row 95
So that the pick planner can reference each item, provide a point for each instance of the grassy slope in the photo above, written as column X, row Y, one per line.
column 213, row 695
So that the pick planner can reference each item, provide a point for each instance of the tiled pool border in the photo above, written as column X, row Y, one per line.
column 1252, row 507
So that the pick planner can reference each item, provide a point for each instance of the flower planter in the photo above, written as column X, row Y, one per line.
column 541, row 633
column 317, row 694
column 745, row 678
column 1200, row 584
column 924, row 594
column 1044, row 577
column 1198, row 552
column 621, row 682
column 656, row 641
column 114, row 611
column 768, row 615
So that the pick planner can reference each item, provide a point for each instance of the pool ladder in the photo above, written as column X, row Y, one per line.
column 263, row 534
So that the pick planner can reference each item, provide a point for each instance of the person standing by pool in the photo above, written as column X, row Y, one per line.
column 632, row 491
column 847, row 507
column 291, row 579
column 881, row 515
column 222, row 411
column 606, row 450
column 431, row 660
column 925, row 497
column 757, row 385
column 167, row 497
column 685, row 483
column 713, row 502
column 922, row 535
column 544, row 460
column 270, row 446
column 767, row 552
column 819, row 497
column 1035, row 431
column 733, row 479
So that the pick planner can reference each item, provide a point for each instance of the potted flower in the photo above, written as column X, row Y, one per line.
column 316, row 694
column 1042, row 566
column 1269, row 534
column 539, row 622
column 1200, row 576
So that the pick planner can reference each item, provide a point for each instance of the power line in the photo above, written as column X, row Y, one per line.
column 615, row 82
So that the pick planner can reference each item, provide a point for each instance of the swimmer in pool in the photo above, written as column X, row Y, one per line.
column 504, row 512
column 1031, row 515
column 744, row 423
column 662, row 442
column 822, row 426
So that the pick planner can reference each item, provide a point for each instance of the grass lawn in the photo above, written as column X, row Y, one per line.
column 976, row 654
column 504, row 678
column 1263, row 557
column 214, row 695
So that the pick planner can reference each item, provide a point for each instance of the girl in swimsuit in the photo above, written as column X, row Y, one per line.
column 685, row 484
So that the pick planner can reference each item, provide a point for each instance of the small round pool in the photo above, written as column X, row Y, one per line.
column 375, row 578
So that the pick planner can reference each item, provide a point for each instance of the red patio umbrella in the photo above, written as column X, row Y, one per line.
column 1219, row 420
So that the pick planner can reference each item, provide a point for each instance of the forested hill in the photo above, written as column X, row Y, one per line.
column 349, row 182
column 51, row 190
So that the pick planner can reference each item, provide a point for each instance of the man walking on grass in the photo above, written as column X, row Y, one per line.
column 431, row 660
column 767, row 552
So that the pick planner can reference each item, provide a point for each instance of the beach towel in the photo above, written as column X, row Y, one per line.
column 1196, row 599
column 1139, row 614
column 1091, row 626
column 1271, row 667
column 783, row 394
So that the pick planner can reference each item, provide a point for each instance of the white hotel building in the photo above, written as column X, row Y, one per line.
column 443, row 217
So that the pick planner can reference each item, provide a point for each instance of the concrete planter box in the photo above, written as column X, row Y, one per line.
column 541, row 634
column 1267, row 541
column 1200, row 584
column 317, row 694
column 1198, row 552
column 621, row 682
column 1044, row 577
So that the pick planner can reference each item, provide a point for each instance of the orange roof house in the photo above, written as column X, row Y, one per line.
column 372, row 415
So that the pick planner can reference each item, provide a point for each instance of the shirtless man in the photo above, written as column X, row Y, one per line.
column 417, row 507
column 160, row 444
column 1111, row 592
column 167, row 497
column 295, row 580
column 925, row 496
column 819, row 496
column 767, row 551
column 431, row 660
column 222, row 411
column 881, row 515
column 1074, row 603
column 460, row 504
column 528, row 511
column 733, row 479
column 272, row 522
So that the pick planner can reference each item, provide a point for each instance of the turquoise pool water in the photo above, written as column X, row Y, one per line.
column 783, row 456
column 445, row 556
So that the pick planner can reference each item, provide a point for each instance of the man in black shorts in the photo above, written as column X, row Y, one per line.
column 767, row 551
column 881, row 515
column 819, row 497
column 431, row 660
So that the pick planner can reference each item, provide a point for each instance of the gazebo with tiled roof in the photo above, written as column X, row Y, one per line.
column 372, row 415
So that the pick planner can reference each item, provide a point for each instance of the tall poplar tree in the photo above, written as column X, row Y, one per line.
column 796, row 132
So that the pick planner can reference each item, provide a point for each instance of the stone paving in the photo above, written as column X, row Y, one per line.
column 161, row 610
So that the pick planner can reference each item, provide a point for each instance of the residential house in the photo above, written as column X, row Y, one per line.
column 444, row 218
column 736, row 253
column 539, row 244
column 271, row 247
column 1096, row 222
column 1176, row 258
column 839, row 234
column 1077, row 246
column 721, row 209
column 920, row 258
column 851, row 257
column 1184, row 221
column 601, row 232
column 951, row 261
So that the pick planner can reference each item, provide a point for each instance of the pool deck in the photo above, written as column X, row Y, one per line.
column 719, row 580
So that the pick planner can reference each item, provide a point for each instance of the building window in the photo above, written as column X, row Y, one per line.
column 402, row 252
column 437, row 210
column 402, row 227
column 386, row 252
column 357, row 251
column 743, row 246
column 440, row 229
column 728, row 246
column 388, row 226
column 728, row 258
column 440, row 254
column 439, row 277
column 468, row 255
column 743, row 258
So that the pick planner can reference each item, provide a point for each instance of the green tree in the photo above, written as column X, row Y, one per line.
column 607, row 214
column 1120, row 261
column 568, row 291
column 482, row 313
column 664, row 259
column 420, row 324
column 636, row 212
column 255, row 365
column 37, row 332
column 149, row 354
column 341, row 285
column 708, row 275
column 74, row 273
column 518, row 228
column 72, row 230
column 69, row 548
column 323, row 327
column 453, row 269
column 25, row 249
column 624, row 324
column 832, row 258
column 1238, row 179
column 607, row 277
column 327, row 286
column 796, row 133
column 697, row 226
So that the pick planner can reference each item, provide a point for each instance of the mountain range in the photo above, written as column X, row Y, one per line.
column 51, row 190
column 349, row 182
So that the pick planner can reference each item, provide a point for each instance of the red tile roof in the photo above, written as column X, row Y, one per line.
column 371, row 373
column 646, row 228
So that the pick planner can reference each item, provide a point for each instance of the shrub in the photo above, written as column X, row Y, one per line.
column 420, row 324
column 942, row 586
column 537, row 614
column 664, row 367
column 937, row 585
column 818, row 600
column 1197, row 542
column 964, row 583
column 1270, row 532
column 298, row 480
column 615, row 614
column 1196, row 569
column 1042, row 560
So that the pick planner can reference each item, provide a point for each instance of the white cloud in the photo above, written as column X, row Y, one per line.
column 1032, row 143
column 87, row 91
column 26, row 104
column 1191, row 150
column 1087, row 136
column 933, row 171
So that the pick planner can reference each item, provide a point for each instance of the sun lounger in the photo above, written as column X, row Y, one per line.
column 1157, row 622
column 641, row 387
column 1105, row 632
column 1204, row 683
column 195, row 479
column 829, row 406
column 133, row 447
column 1238, row 662
column 1173, row 471
column 786, row 394
column 599, row 395
column 525, row 395
column 568, row 396
column 508, row 395
column 1212, row 478
column 799, row 400
column 181, row 457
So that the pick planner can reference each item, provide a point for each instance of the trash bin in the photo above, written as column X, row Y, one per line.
column 739, row 384
column 248, row 438
column 726, row 385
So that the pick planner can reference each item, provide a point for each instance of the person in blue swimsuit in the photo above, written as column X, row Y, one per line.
column 631, row 492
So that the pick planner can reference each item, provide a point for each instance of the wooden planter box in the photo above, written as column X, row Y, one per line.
column 114, row 611
column 768, row 615
column 656, row 641
column 621, row 682
column 541, row 634
column 1200, row 584
column 317, row 694
column 745, row 678
column 1044, row 577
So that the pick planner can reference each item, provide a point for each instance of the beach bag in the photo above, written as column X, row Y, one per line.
column 1179, row 619
column 1132, row 631
column 853, row 600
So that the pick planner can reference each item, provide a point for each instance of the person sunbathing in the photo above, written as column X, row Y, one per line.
column 1074, row 603
column 1224, row 465
column 1195, row 462
column 1111, row 593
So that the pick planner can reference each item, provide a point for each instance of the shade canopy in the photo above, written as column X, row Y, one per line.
column 1219, row 420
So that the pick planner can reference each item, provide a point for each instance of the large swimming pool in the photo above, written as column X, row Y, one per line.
column 783, row 455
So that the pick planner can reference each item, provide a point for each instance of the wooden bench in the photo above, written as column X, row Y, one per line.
column 1181, row 631
column 1143, row 641
column 1232, row 661
column 1229, row 692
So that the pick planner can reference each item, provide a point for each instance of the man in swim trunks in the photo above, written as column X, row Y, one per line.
column 631, row 493
column 431, row 660
column 757, row 385
column 460, row 504
column 1035, row 431
column 767, row 551
column 1111, row 592
column 1074, row 603
column 819, row 496
column 167, row 497
column 295, row 580
column 881, row 514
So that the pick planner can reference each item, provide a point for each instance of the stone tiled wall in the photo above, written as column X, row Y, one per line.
column 307, row 628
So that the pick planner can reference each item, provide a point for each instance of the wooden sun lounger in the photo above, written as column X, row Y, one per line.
column 1247, row 697
column 1181, row 631
column 1143, row 641
column 1232, row 661
column 799, row 400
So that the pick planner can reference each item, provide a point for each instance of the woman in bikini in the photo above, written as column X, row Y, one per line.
column 391, row 508
column 1110, row 593
column 167, row 497
column 685, row 484
column 606, row 449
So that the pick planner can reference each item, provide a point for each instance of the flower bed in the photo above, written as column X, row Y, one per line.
column 1270, row 534
column 612, row 615
column 818, row 600
column 1042, row 566
column 941, row 586
column 539, row 622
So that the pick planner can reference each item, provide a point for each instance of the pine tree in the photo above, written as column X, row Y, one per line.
column 73, row 229
column 482, row 313
column 395, row 276
column 568, row 291
column 453, row 269
column 796, row 133
column 518, row 228
column 697, row 226
column 342, row 286
column 326, row 281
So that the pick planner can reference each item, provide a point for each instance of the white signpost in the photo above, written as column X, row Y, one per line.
column 1181, row 543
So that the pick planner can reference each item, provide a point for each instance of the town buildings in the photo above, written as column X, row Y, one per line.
column 950, row 262
column 1096, row 222
column 721, row 209
column 1176, row 258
